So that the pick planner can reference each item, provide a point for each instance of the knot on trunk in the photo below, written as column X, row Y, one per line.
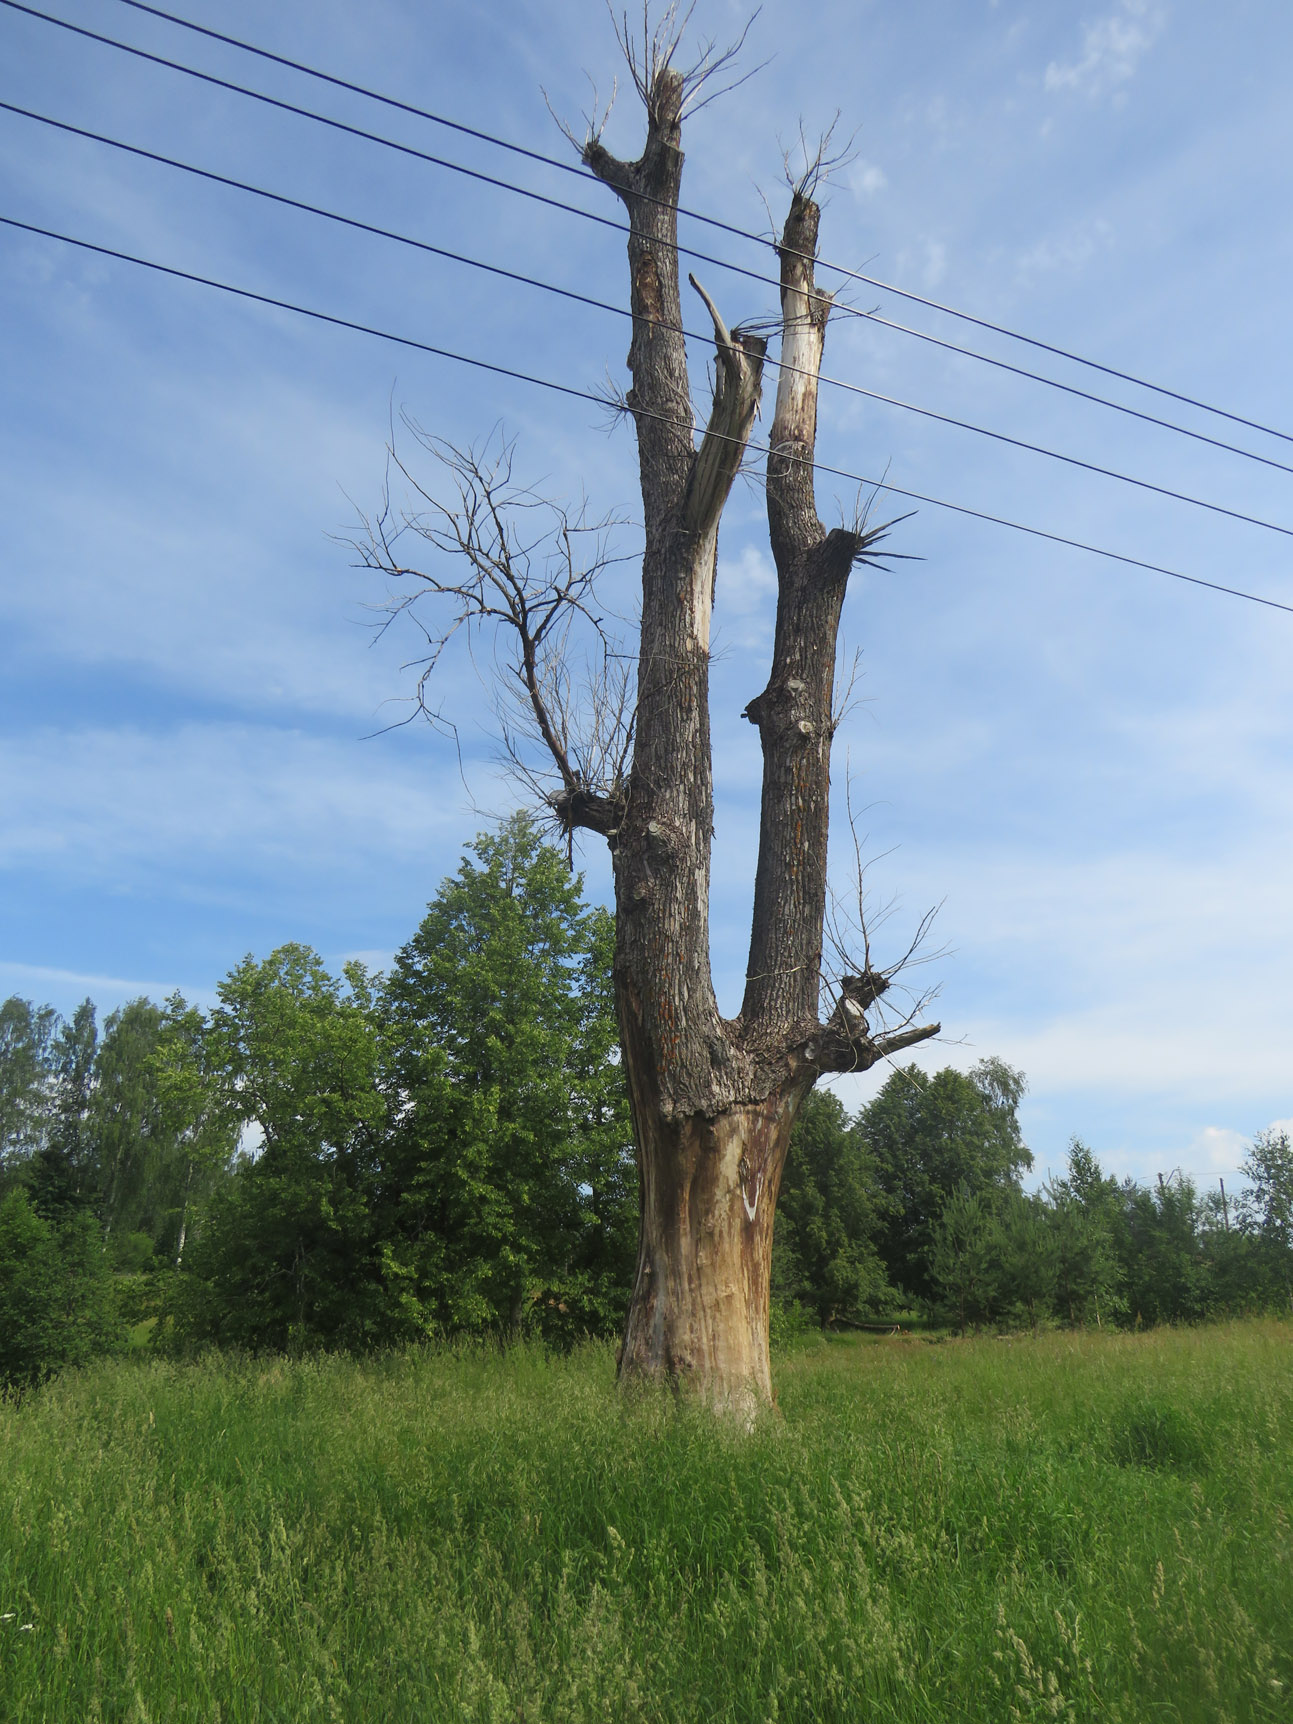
column 783, row 710
column 578, row 804
column 856, row 994
column 833, row 558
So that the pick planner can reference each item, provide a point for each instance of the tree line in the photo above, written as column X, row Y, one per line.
column 364, row 1160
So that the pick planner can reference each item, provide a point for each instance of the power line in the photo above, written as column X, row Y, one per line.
column 696, row 215
column 601, row 401
column 621, row 311
column 575, row 209
column 1072, row 389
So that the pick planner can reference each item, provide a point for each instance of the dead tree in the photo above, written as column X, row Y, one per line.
column 713, row 1099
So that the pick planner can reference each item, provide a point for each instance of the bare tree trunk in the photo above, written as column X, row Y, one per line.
column 714, row 1101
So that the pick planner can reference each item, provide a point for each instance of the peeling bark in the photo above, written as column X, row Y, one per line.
column 714, row 1101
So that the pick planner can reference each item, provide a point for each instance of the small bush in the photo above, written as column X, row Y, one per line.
column 57, row 1305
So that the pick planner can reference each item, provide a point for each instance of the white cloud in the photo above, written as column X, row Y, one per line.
column 121, row 804
column 1068, row 250
column 1215, row 1152
column 935, row 262
column 926, row 258
column 747, row 596
column 1130, row 976
column 866, row 180
column 35, row 981
column 1112, row 49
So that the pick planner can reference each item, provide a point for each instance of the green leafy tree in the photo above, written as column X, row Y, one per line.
column 1030, row 1258
column 286, row 1256
column 1268, row 1167
column 932, row 1138
column 26, row 1072
column 507, row 1180
column 123, row 1127
column 1086, row 1217
column 62, row 1174
column 965, row 1260
column 1164, row 1259
column 824, row 1258
column 200, row 1122
column 56, row 1297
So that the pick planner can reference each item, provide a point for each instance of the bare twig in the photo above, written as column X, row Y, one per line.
column 488, row 556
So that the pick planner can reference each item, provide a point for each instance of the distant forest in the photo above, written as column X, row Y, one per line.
column 362, row 1161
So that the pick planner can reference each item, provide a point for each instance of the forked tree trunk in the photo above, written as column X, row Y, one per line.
column 714, row 1100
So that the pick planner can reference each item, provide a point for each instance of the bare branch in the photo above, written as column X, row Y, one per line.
column 653, row 53
column 843, row 699
column 817, row 163
column 595, row 123
column 489, row 557
column 861, row 985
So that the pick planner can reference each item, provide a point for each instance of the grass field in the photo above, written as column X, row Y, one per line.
column 1066, row 1527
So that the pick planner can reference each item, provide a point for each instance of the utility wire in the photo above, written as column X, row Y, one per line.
column 621, row 311
column 1070, row 389
column 601, row 401
column 696, row 215
column 587, row 215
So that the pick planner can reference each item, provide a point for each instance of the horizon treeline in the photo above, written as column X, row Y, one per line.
column 367, row 1160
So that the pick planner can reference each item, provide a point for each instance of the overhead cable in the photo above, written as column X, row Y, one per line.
column 622, row 311
column 697, row 215
column 589, row 215
column 601, row 401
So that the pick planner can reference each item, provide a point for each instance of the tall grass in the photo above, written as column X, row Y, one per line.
column 1072, row 1528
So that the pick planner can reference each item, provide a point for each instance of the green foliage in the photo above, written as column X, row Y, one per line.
column 1267, row 1265
column 824, row 1259
column 62, row 1174
column 1086, row 1215
column 122, row 1120
column 965, row 1260
column 444, row 1152
column 285, row 1256
column 933, row 1138
column 1165, row 1262
column 448, row 1150
column 26, row 1037
column 1153, row 1433
column 200, row 1120
column 509, row 1185
column 1083, row 1528
column 1268, row 1167
column 56, row 1297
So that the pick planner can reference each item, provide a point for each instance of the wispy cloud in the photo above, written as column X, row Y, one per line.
column 35, row 981
column 865, row 180
column 1112, row 49
column 747, row 592
column 1069, row 249
column 106, row 804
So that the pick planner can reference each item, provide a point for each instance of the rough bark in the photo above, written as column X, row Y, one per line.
column 714, row 1101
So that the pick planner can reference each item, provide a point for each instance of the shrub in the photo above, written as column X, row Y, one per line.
column 56, row 1298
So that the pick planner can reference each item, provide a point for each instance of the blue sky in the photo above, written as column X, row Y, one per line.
column 1086, row 765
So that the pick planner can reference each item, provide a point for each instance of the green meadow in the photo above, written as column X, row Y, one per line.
column 1067, row 1526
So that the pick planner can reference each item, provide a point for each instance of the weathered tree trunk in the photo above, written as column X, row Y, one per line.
column 714, row 1100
